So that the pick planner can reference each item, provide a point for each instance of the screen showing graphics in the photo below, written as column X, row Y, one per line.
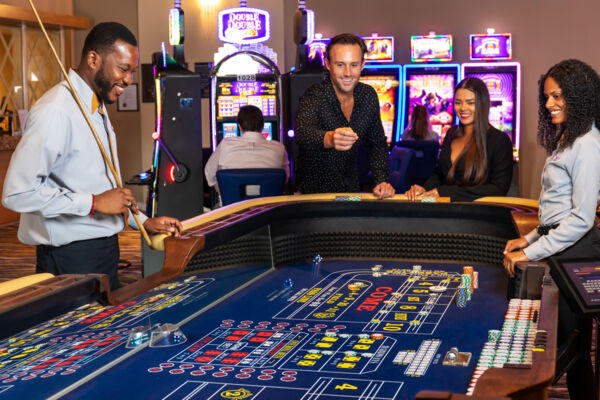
column 431, row 48
column 436, row 93
column 267, row 131
column 386, row 87
column 491, row 47
column 230, row 129
column 502, row 91
column 379, row 49
column 235, row 94
column 585, row 275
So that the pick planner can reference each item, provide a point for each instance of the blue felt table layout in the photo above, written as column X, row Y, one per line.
column 346, row 333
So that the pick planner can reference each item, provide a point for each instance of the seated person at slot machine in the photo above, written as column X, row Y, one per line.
column 569, row 117
column 332, row 117
column 419, row 128
column 476, row 158
column 251, row 150
column 71, row 207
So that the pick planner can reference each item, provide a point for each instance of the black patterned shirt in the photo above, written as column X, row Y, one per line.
column 322, row 170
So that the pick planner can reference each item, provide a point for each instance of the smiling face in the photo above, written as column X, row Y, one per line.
column 464, row 106
column 555, row 101
column 116, row 71
column 345, row 64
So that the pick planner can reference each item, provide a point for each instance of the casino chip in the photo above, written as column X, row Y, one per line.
column 438, row 289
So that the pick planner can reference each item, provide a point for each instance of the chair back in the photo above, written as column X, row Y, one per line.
column 426, row 155
column 243, row 184
column 400, row 161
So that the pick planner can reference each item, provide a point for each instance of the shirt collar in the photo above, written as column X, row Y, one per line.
column 253, row 135
column 86, row 94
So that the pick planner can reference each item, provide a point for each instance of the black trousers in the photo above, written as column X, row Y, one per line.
column 581, row 381
column 98, row 256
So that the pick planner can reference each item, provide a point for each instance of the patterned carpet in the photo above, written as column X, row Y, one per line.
column 17, row 259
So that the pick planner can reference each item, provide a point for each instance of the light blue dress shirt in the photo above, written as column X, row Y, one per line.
column 56, row 168
column 570, row 194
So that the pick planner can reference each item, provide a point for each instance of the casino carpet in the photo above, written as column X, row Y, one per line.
column 17, row 259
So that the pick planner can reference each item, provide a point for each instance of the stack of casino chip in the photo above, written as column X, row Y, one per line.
column 461, row 296
column 512, row 346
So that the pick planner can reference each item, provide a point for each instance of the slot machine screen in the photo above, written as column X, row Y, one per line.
column 231, row 95
column 267, row 131
column 230, row 129
column 502, row 91
column 386, row 88
column 436, row 93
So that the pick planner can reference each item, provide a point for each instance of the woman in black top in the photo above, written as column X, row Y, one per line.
column 476, row 158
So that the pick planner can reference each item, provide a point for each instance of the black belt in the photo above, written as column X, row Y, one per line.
column 545, row 229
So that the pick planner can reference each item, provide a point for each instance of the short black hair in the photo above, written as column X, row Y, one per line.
column 250, row 119
column 103, row 36
column 346, row 38
column 580, row 85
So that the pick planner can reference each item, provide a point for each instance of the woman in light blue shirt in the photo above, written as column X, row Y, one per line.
column 569, row 117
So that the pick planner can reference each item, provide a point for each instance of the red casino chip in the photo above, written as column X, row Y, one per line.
column 340, row 327
column 288, row 379
column 166, row 365
column 322, row 326
column 247, row 322
column 197, row 373
column 228, row 321
column 242, row 376
column 314, row 330
column 265, row 323
column 219, row 374
column 154, row 369
column 268, row 371
column 176, row 371
column 186, row 366
column 248, row 370
column 265, row 377
column 302, row 325
column 289, row 372
column 226, row 369
column 283, row 323
column 207, row 367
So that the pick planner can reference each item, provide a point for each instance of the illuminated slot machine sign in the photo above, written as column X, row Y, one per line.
column 385, row 79
column 487, row 47
column 386, row 82
column 431, row 85
column 379, row 49
column 244, row 25
column 431, row 48
column 503, row 80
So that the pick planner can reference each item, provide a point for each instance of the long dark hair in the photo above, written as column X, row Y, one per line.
column 476, row 162
column 580, row 86
column 419, row 123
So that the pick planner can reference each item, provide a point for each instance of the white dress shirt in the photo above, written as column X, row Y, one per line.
column 251, row 150
column 570, row 194
column 56, row 168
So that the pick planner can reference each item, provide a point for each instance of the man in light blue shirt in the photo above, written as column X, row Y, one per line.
column 70, row 205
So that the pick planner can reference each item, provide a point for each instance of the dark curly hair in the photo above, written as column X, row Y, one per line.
column 580, row 87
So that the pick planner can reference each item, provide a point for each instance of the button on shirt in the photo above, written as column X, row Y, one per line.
column 251, row 150
column 56, row 168
column 570, row 194
column 322, row 170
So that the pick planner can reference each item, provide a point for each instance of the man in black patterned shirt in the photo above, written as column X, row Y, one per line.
column 332, row 117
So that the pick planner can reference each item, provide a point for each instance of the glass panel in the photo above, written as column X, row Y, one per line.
column 11, row 90
column 42, row 70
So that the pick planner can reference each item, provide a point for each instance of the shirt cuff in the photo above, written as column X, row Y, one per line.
column 82, row 203
column 532, row 236
column 132, row 222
